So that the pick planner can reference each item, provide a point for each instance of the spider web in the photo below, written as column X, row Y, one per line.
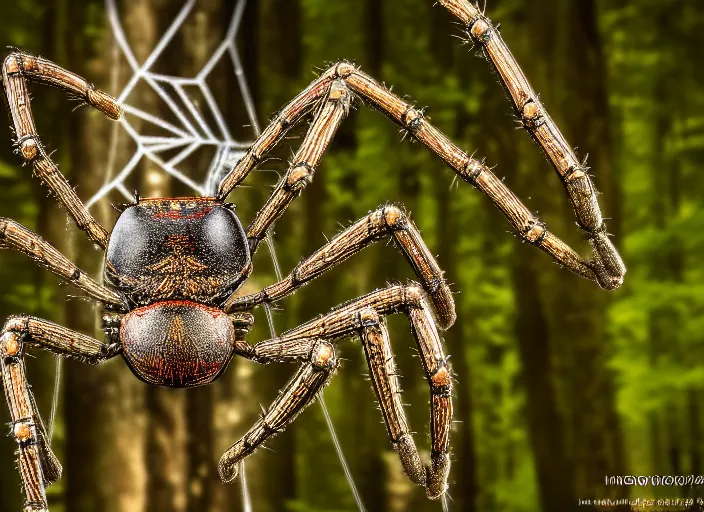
column 195, row 125
column 191, row 131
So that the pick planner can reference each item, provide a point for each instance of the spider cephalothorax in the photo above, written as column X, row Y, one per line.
column 173, row 266
column 190, row 248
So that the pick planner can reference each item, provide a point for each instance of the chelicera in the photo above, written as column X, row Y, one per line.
column 174, row 266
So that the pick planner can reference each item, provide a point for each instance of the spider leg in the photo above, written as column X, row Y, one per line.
column 15, row 236
column 606, row 266
column 386, row 221
column 362, row 317
column 18, row 69
column 326, row 122
column 38, row 465
column 281, row 123
column 296, row 396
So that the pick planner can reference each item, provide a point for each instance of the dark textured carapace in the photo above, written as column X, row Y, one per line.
column 176, row 260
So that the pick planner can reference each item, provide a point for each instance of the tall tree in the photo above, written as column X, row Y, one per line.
column 104, row 409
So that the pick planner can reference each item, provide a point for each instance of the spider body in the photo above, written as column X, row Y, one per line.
column 175, row 260
column 174, row 265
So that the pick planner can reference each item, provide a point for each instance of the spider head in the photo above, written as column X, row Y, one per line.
column 177, row 248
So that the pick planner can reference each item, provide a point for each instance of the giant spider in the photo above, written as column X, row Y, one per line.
column 173, row 266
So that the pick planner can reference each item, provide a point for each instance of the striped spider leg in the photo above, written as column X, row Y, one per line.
column 311, row 344
column 38, row 465
column 330, row 97
column 19, row 69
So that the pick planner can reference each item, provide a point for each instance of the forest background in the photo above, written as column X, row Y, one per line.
column 558, row 383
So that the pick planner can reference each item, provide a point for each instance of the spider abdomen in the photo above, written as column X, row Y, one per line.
column 177, row 343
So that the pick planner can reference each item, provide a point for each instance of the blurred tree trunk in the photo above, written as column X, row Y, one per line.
column 676, row 423
column 566, row 375
column 104, row 409
column 596, row 442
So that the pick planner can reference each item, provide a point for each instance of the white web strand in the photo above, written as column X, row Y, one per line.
column 55, row 398
column 192, row 133
column 341, row 455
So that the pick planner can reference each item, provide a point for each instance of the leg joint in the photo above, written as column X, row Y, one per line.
column 412, row 119
column 299, row 177
column 343, row 69
column 322, row 356
column 13, row 64
column 480, row 29
column 471, row 170
column 575, row 172
column 368, row 317
column 11, row 340
column 441, row 379
column 535, row 232
column 395, row 218
column 10, row 345
column 24, row 431
column 532, row 114
column 414, row 296
column 29, row 147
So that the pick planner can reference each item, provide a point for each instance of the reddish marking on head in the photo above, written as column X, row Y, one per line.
column 214, row 312
column 179, row 207
column 181, row 214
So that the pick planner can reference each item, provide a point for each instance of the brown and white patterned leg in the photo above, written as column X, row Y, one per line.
column 15, row 236
column 388, row 220
column 296, row 396
column 606, row 267
column 280, row 124
column 18, row 69
column 300, row 173
column 377, row 349
column 361, row 317
column 37, row 463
